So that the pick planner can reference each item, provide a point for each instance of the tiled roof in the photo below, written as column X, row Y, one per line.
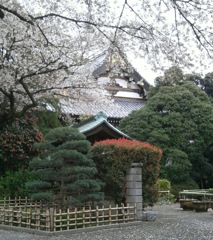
column 129, row 106
column 97, row 121
column 93, row 100
column 112, row 109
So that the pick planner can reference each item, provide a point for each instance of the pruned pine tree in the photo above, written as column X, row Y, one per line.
column 65, row 170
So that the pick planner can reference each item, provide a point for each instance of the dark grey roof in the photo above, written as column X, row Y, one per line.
column 112, row 109
column 129, row 106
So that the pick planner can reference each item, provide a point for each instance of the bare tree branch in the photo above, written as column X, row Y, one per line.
column 17, row 14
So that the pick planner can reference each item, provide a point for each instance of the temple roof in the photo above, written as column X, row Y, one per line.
column 129, row 106
column 108, row 83
column 113, row 109
column 97, row 128
column 112, row 57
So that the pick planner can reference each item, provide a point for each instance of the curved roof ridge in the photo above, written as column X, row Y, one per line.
column 97, row 121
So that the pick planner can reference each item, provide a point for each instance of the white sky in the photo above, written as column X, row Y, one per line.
column 144, row 69
column 149, row 74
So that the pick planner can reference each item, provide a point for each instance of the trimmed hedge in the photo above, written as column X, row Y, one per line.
column 113, row 158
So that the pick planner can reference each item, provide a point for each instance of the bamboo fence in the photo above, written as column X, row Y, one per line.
column 23, row 213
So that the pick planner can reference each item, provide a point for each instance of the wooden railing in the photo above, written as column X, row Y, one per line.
column 14, row 201
column 35, row 216
column 28, row 216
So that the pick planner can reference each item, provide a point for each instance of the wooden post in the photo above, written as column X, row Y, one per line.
column 68, row 218
column 51, row 214
column 47, row 219
column 76, row 216
column 103, row 214
column 38, row 217
column 97, row 216
column 135, row 211
column 10, row 216
column 117, row 212
column 90, row 215
column 60, row 218
column 110, row 213
column 128, row 213
column 19, row 215
column 123, row 212
column 83, row 217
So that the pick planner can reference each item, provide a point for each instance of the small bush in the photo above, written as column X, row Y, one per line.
column 164, row 184
column 188, row 184
column 13, row 183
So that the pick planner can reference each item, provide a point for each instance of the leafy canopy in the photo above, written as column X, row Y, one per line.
column 179, row 119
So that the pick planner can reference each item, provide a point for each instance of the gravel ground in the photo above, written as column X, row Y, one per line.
column 171, row 223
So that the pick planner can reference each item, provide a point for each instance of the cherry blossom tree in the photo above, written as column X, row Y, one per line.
column 36, row 58
column 43, row 43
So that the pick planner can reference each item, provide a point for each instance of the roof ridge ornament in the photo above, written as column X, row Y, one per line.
column 100, row 115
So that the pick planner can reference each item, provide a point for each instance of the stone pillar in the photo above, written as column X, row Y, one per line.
column 134, row 187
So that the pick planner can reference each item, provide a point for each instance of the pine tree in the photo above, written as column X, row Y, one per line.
column 65, row 169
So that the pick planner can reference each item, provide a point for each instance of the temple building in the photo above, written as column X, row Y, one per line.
column 116, row 90
column 97, row 128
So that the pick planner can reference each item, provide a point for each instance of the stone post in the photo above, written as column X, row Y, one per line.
column 134, row 187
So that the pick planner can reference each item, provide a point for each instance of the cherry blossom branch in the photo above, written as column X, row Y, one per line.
column 197, row 32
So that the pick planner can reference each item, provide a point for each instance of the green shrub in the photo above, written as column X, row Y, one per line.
column 47, row 120
column 188, row 184
column 114, row 157
column 13, row 183
column 164, row 184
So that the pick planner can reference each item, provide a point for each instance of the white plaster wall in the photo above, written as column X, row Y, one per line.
column 103, row 80
column 127, row 94
column 121, row 82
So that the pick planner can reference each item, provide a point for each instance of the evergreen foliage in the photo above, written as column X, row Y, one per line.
column 178, row 119
column 172, row 76
column 114, row 157
column 12, row 184
column 49, row 117
column 47, row 120
column 65, row 169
